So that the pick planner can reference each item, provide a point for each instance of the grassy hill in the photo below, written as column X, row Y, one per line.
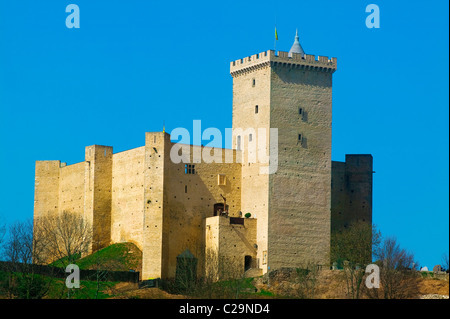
column 116, row 257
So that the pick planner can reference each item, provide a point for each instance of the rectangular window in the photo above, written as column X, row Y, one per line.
column 238, row 143
column 300, row 137
column 300, row 110
column 253, row 82
column 189, row 169
column 221, row 179
column 256, row 109
column 250, row 137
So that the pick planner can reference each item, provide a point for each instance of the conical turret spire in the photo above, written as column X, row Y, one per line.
column 296, row 47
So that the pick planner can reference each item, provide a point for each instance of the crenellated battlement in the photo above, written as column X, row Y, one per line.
column 271, row 57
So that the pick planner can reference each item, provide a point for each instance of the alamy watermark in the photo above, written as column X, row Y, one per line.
column 373, row 19
column 373, row 279
column 73, row 19
column 73, row 280
column 256, row 145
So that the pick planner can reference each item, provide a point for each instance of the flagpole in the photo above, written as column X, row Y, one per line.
column 275, row 41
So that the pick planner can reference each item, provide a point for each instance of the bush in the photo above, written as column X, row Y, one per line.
column 30, row 286
column 247, row 215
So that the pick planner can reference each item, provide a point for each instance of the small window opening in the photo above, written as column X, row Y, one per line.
column 253, row 82
column 300, row 110
column 221, row 179
column 250, row 137
column 256, row 109
column 185, row 188
column 189, row 169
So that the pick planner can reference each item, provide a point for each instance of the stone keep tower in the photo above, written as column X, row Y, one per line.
column 291, row 92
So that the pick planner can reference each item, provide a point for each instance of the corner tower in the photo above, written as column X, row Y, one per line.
column 291, row 92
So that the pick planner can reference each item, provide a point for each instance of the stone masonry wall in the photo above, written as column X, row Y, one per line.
column 127, row 209
column 229, row 244
column 190, row 198
column 251, row 89
column 46, row 187
column 351, row 191
column 98, row 179
column 300, row 191
column 71, row 188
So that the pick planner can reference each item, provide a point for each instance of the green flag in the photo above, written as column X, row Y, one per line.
column 276, row 34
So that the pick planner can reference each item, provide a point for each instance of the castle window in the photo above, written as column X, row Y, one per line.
column 300, row 137
column 185, row 188
column 300, row 110
column 250, row 137
column 253, row 82
column 256, row 109
column 189, row 169
column 238, row 143
column 221, row 179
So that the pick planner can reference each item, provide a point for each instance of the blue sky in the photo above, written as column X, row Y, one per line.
column 134, row 64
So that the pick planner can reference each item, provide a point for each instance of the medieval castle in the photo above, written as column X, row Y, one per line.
column 236, row 209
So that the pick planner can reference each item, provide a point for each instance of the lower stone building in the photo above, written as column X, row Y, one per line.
column 141, row 196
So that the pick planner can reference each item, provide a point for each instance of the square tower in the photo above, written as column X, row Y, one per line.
column 292, row 93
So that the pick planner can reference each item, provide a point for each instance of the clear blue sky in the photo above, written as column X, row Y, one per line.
column 133, row 64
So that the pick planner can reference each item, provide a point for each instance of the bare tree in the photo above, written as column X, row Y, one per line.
column 352, row 247
column 223, row 276
column 209, row 285
column 398, row 278
column 445, row 262
column 211, row 265
column 231, row 271
column 64, row 237
column 307, row 278
column 2, row 231
column 21, row 251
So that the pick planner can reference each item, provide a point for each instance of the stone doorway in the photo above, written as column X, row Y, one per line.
column 218, row 209
column 247, row 262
